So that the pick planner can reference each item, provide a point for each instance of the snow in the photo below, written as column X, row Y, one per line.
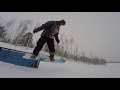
column 69, row 69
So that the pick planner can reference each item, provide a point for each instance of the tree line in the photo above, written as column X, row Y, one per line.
column 20, row 37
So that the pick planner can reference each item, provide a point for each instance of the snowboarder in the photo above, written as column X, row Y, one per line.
column 50, row 31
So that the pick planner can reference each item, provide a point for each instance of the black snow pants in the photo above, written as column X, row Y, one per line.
column 40, row 44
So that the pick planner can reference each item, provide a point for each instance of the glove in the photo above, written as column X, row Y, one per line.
column 58, row 41
column 35, row 31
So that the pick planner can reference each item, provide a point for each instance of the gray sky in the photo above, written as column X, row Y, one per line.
column 96, row 32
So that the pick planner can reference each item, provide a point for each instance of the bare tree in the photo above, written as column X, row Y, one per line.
column 2, row 30
column 72, row 41
column 76, row 53
column 1, row 21
column 23, row 26
column 5, row 36
column 66, row 51
column 62, row 44
column 26, row 40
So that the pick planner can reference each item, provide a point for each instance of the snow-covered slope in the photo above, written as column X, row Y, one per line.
column 68, row 69
column 55, row 70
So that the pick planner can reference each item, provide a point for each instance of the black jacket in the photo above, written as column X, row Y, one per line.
column 48, row 29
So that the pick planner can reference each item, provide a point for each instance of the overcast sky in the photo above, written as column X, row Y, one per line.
column 96, row 32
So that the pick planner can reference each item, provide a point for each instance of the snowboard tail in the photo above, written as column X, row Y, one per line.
column 16, row 57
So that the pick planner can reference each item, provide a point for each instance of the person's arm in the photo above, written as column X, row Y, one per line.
column 56, row 38
column 44, row 26
column 37, row 29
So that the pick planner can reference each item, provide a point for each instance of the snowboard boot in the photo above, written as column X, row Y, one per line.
column 33, row 57
column 51, row 58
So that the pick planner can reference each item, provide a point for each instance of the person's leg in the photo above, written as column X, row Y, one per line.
column 50, row 44
column 39, row 46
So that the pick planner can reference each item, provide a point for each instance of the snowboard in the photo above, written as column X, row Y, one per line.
column 16, row 57
column 45, row 58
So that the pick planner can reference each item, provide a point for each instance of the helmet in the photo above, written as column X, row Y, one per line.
column 63, row 22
